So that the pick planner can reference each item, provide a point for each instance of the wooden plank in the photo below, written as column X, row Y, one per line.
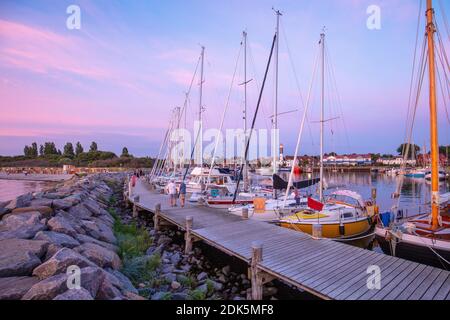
column 336, row 270
column 387, row 288
column 409, row 290
column 387, row 274
column 341, row 290
column 420, row 290
column 403, row 284
column 300, row 271
column 437, row 284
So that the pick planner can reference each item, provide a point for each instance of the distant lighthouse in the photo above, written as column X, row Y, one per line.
column 281, row 152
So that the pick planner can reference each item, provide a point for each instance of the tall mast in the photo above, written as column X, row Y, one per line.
column 245, row 111
column 275, row 107
column 200, row 111
column 430, row 30
column 322, row 111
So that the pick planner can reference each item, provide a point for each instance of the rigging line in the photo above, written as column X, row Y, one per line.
column 255, row 75
column 339, row 100
column 225, row 111
column 188, row 93
column 443, row 94
column 254, row 116
column 297, row 82
column 421, row 75
column 315, row 67
column 419, row 19
column 444, row 17
column 441, row 52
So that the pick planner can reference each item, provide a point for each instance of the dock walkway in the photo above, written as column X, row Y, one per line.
column 324, row 268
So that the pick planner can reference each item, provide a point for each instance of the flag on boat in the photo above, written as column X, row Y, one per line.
column 314, row 204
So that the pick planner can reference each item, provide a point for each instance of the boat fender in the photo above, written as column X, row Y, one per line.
column 399, row 214
column 342, row 229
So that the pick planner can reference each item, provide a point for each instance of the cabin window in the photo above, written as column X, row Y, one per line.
column 347, row 215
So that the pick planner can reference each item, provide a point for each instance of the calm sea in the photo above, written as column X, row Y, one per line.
column 9, row 189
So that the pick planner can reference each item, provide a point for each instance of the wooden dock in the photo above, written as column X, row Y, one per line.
column 324, row 268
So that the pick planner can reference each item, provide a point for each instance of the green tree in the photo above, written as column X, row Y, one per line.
column 26, row 151
column 124, row 153
column 68, row 151
column 34, row 150
column 413, row 150
column 50, row 149
column 78, row 149
column 41, row 150
column 93, row 147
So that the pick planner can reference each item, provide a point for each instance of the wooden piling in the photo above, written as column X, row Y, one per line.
column 256, row 277
column 244, row 213
column 187, row 236
column 156, row 216
column 135, row 208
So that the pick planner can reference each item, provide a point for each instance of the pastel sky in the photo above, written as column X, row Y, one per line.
column 117, row 79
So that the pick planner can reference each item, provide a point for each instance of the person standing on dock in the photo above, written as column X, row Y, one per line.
column 172, row 190
column 182, row 193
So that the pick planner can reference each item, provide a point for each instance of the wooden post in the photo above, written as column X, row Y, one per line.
column 130, row 189
column 135, row 208
column 244, row 213
column 156, row 217
column 187, row 235
column 256, row 278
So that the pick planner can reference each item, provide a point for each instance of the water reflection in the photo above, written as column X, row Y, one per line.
column 9, row 189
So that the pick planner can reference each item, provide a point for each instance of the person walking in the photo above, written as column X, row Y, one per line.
column 172, row 190
column 182, row 193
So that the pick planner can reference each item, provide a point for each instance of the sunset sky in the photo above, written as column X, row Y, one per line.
column 117, row 79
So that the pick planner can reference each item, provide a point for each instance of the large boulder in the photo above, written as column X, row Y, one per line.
column 91, row 279
column 61, row 204
column 41, row 202
column 74, row 294
column 45, row 211
column 101, row 256
column 21, row 226
column 123, row 282
column 60, row 239
column 47, row 289
column 62, row 225
column 99, row 231
column 14, row 288
column 80, row 211
column 87, row 239
column 59, row 263
column 19, row 202
column 94, row 207
column 18, row 257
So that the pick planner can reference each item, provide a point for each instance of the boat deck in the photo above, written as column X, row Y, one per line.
column 324, row 268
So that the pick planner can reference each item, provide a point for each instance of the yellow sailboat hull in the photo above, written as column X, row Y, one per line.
column 332, row 230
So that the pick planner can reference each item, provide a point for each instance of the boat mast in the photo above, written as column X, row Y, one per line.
column 275, row 108
column 200, row 111
column 430, row 30
column 245, row 163
column 322, row 111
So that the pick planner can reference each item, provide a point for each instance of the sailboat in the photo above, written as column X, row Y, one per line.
column 425, row 237
column 344, row 214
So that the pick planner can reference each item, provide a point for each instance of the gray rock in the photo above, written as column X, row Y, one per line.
column 61, row 204
column 80, row 211
column 60, row 239
column 62, row 225
column 4, row 211
column 47, row 289
column 75, row 294
column 91, row 279
column 160, row 295
column 175, row 285
column 170, row 277
column 108, row 291
column 21, row 226
column 101, row 256
column 124, row 281
column 87, row 239
column 202, row 276
column 176, row 258
column 41, row 202
column 46, row 212
column 99, row 231
column 19, row 202
column 14, row 288
column 226, row 270
column 18, row 257
column 59, row 263
column 180, row 296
